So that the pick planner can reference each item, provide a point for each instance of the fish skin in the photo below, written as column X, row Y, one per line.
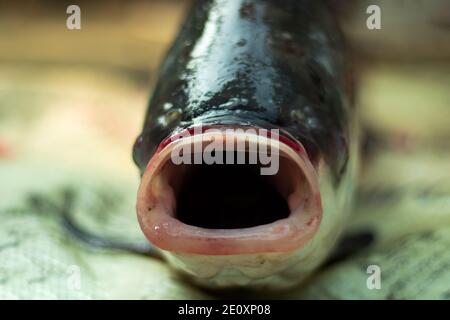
column 270, row 64
column 262, row 64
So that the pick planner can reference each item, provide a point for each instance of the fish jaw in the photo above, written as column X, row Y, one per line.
column 156, row 206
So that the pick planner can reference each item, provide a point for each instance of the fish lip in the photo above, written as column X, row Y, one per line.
column 168, row 233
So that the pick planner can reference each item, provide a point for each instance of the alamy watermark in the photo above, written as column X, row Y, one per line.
column 373, row 22
column 73, row 21
column 374, row 280
column 230, row 146
column 73, row 280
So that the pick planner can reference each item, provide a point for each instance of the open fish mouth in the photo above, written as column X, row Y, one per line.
column 229, row 208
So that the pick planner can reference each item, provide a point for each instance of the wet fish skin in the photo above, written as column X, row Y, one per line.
column 269, row 64
column 261, row 64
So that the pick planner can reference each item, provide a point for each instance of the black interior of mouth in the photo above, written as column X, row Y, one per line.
column 228, row 196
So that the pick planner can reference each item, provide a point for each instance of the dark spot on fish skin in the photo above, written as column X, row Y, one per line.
column 290, row 47
column 241, row 43
column 247, row 10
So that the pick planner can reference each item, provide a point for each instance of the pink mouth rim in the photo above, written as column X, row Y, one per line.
column 164, row 231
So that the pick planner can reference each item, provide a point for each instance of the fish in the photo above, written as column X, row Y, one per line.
column 274, row 75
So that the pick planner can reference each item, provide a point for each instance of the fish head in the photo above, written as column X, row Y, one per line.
column 226, row 221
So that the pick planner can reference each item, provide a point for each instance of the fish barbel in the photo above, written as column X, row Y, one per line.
column 237, row 70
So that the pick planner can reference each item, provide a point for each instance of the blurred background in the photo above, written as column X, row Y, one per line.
column 72, row 102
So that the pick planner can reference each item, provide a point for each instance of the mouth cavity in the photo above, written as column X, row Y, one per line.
column 227, row 209
column 229, row 196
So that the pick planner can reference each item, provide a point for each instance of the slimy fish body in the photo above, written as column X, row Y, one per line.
column 240, row 68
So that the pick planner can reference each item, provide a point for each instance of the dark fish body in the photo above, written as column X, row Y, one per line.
column 273, row 64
